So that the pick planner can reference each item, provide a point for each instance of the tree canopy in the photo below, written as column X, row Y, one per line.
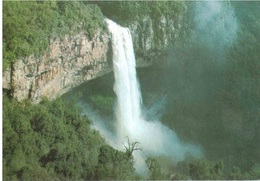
column 51, row 141
column 28, row 26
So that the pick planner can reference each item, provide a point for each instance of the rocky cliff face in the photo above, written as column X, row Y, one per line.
column 68, row 63
column 152, row 35
column 76, row 59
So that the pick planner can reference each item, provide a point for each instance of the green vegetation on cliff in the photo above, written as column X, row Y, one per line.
column 155, row 24
column 28, row 26
column 126, row 12
column 50, row 141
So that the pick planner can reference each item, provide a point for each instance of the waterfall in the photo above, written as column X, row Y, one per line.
column 155, row 139
column 126, row 84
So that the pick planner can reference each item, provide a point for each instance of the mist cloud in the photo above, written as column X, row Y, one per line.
column 215, row 25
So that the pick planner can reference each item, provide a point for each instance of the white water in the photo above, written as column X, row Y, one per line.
column 155, row 139
column 126, row 86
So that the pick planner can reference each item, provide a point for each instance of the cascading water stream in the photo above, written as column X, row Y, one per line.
column 155, row 139
column 126, row 86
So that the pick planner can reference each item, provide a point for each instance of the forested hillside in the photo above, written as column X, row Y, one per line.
column 126, row 12
column 51, row 141
column 30, row 25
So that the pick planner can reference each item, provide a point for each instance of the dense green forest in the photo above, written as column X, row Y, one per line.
column 51, row 141
column 30, row 25
column 126, row 12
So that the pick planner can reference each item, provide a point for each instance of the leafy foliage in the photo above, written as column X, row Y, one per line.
column 50, row 141
column 155, row 169
column 29, row 25
column 205, row 170
column 114, row 164
column 125, row 12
